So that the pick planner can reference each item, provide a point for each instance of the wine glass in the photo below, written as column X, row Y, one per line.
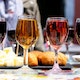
column 11, row 38
column 27, row 34
column 57, row 33
column 2, row 32
column 12, row 22
column 77, row 30
column 69, row 42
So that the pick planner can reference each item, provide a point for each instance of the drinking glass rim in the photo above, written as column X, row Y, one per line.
column 57, row 18
column 26, row 17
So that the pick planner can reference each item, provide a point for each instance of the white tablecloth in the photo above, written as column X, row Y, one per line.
column 10, row 76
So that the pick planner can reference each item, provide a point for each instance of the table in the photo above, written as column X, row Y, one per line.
column 8, row 75
column 74, row 49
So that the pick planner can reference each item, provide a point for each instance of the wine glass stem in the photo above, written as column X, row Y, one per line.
column 67, row 49
column 25, row 57
column 68, row 53
column 56, row 67
column 55, row 61
column 17, row 49
column 13, row 46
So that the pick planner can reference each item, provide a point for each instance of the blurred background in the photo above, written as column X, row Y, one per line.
column 65, row 8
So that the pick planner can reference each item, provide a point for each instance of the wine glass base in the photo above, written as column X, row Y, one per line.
column 25, row 70
column 55, row 70
column 58, row 72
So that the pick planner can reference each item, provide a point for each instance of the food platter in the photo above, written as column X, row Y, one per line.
column 10, row 67
column 66, row 67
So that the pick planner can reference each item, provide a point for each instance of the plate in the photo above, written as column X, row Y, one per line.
column 66, row 67
column 10, row 67
column 76, row 58
column 75, row 64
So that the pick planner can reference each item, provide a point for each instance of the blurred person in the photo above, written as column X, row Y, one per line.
column 10, row 10
column 2, row 10
column 31, row 8
column 3, row 14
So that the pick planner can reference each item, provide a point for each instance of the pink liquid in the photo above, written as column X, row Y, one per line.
column 57, row 32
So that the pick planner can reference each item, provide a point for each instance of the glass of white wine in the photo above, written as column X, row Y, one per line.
column 27, row 34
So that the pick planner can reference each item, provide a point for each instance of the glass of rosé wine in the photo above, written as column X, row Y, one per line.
column 57, row 33
column 27, row 34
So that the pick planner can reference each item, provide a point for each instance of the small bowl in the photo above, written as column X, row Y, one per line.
column 76, row 58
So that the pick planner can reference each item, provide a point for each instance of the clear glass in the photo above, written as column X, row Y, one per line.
column 77, row 33
column 11, row 38
column 77, row 30
column 27, row 34
column 11, row 35
column 69, row 42
column 57, row 33
column 2, row 32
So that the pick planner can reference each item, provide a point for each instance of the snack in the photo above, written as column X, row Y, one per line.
column 14, row 61
column 33, row 57
column 8, row 49
column 36, row 53
column 46, row 58
column 2, row 58
column 62, row 58
column 8, row 58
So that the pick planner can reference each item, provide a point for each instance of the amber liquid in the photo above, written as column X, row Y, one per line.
column 27, row 32
column 57, row 32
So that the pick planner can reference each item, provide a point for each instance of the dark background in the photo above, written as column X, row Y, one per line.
column 50, row 8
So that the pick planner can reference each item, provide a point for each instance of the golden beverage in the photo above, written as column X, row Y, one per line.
column 27, row 32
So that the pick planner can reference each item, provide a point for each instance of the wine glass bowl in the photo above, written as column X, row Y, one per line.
column 11, row 35
column 2, row 31
column 27, row 34
column 11, row 38
column 69, row 42
column 57, row 33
